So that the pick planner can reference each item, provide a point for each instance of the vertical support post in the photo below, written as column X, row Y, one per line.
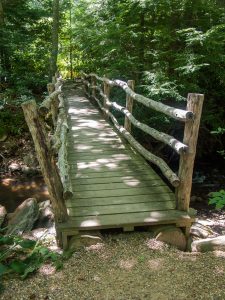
column 93, row 84
column 50, row 88
column 106, row 93
column 183, row 192
column 129, row 106
column 46, row 159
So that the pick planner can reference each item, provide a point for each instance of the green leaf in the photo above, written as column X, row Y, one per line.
column 29, row 270
column 18, row 266
column 3, row 269
column 6, row 240
column 27, row 244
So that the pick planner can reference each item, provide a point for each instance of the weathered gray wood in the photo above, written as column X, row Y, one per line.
column 129, row 106
column 167, row 172
column 120, row 209
column 46, row 159
column 123, row 192
column 107, row 94
column 50, row 88
column 118, row 185
column 120, row 200
column 132, row 180
column 160, row 136
column 183, row 192
column 175, row 113
column 46, row 104
column 134, row 219
column 60, row 145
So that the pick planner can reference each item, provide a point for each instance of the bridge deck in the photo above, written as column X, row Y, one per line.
column 113, row 185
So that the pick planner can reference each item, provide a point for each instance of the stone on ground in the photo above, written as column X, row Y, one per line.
column 210, row 244
column 172, row 236
column 3, row 213
column 24, row 217
column 86, row 239
column 200, row 230
column 46, row 216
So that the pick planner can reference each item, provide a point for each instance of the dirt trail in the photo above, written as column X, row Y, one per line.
column 127, row 266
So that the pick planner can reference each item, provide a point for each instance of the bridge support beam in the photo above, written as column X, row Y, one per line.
column 46, row 160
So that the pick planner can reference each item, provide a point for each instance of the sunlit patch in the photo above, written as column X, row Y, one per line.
column 127, row 264
column 96, row 248
column 156, row 245
column 219, row 270
column 90, row 223
column 7, row 181
column 155, row 264
column 219, row 253
column 47, row 269
column 131, row 181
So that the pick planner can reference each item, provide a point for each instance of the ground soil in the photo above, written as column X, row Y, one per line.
column 127, row 266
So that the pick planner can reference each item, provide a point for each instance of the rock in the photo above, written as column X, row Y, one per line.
column 13, row 167
column 86, row 239
column 200, row 230
column 172, row 236
column 46, row 216
column 210, row 244
column 3, row 213
column 24, row 217
column 196, row 199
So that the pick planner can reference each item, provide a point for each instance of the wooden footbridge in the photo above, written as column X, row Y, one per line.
column 97, row 174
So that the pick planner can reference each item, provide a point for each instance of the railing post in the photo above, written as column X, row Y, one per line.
column 93, row 84
column 183, row 192
column 129, row 106
column 106, row 93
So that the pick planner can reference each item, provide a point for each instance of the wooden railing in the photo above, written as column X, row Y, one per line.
column 97, row 87
column 51, row 144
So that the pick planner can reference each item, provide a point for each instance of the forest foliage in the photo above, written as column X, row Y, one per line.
column 169, row 47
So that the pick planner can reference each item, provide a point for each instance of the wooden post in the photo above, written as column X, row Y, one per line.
column 183, row 192
column 50, row 88
column 106, row 93
column 129, row 106
column 46, row 159
column 93, row 84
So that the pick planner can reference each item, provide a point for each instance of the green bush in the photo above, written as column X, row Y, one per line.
column 218, row 199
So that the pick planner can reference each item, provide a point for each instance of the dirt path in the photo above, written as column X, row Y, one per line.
column 127, row 266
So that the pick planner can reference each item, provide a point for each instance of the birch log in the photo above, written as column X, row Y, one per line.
column 46, row 160
column 183, row 193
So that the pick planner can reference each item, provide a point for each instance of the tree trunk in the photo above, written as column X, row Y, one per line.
column 55, row 38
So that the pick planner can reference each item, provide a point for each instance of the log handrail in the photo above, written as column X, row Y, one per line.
column 186, row 149
column 54, row 106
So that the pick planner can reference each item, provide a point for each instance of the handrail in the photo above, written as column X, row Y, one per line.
column 185, row 149
column 178, row 114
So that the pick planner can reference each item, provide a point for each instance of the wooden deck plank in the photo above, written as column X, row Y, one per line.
column 117, row 185
column 111, row 174
column 135, row 179
column 120, row 209
column 120, row 200
column 134, row 219
column 123, row 192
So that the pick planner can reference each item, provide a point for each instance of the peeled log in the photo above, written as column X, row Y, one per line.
column 210, row 244
column 46, row 104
